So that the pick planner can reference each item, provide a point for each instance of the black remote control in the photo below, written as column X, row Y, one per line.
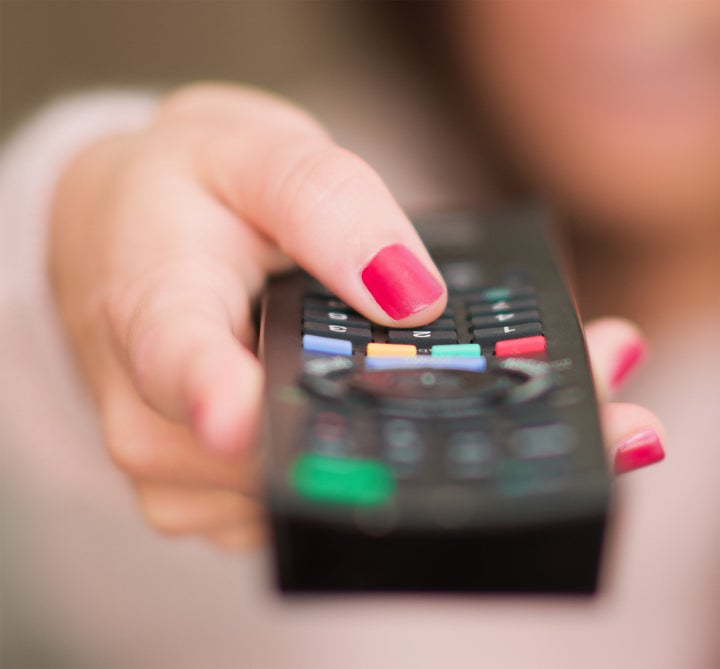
column 461, row 456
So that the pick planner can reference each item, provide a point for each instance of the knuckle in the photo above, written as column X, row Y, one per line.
column 163, row 513
column 130, row 455
column 321, row 178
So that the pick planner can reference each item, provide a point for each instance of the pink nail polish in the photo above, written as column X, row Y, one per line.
column 399, row 282
column 640, row 450
column 629, row 359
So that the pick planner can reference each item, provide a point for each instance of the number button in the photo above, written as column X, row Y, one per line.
column 357, row 335
column 511, row 318
column 423, row 338
column 329, row 316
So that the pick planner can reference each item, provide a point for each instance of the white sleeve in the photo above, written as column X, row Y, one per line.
column 37, row 378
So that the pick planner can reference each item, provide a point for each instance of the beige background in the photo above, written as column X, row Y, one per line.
column 49, row 47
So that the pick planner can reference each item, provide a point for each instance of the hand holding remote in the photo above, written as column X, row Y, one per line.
column 160, row 244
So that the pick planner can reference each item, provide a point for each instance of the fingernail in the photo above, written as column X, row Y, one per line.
column 399, row 282
column 640, row 450
column 628, row 361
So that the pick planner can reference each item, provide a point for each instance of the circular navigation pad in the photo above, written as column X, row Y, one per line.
column 510, row 380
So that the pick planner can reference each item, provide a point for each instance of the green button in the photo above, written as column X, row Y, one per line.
column 499, row 293
column 465, row 350
column 336, row 480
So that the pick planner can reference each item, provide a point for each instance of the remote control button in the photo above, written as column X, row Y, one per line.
column 338, row 317
column 469, row 363
column 357, row 335
column 514, row 276
column 500, row 293
column 511, row 318
column 403, row 446
column 423, row 338
column 537, row 376
column 492, row 335
column 456, row 350
column 329, row 433
column 461, row 276
column 325, row 376
column 541, row 441
column 432, row 384
column 390, row 350
column 501, row 306
column 318, row 344
column 442, row 323
column 520, row 346
column 327, row 303
column 470, row 455
column 523, row 477
column 323, row 478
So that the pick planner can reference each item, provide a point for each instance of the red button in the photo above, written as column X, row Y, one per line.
column 520, row 346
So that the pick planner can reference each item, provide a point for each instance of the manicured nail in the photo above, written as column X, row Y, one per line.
column 640, row 450
column 628, row 361
column 399, row 282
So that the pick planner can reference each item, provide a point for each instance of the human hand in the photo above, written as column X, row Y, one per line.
column 160, row 243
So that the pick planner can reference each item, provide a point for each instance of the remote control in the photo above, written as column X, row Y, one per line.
column 465, row 455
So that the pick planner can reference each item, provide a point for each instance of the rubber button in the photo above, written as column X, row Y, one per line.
column 326, row 345
column 521, row 346
column 522, row 331
column 473, row 364
column 358, row 335
column 456, row 350
column 324, row 478
column 391, row 350
column 423, row 338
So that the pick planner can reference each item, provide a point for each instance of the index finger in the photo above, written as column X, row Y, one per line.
column 325, row 208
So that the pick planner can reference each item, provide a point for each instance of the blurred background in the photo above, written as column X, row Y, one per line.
column 49, row 47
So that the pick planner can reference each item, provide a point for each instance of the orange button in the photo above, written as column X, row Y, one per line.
column 376, row 350
column 519, row 346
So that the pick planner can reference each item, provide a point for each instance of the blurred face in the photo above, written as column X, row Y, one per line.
column 611, row 105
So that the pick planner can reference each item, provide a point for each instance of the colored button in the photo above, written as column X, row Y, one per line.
column 391, row 350
column 326, row 345
column 520, row 346
column 468, row 363
column 456, row 350
column 325, row 478
column 502, row 293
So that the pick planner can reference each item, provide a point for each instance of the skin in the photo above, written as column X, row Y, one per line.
column 160, row 244
column 612, row 109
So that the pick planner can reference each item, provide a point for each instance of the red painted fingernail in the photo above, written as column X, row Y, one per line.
column 399, row 282
column 640, row 450
column 628, row 361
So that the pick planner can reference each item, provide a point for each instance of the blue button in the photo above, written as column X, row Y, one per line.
column 427, row 362
column 326, row 345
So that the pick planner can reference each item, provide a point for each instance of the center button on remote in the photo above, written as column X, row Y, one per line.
column 424, row 384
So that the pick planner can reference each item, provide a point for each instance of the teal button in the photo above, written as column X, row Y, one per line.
column 464, row 350
column 336, row 480
column 499, row 293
